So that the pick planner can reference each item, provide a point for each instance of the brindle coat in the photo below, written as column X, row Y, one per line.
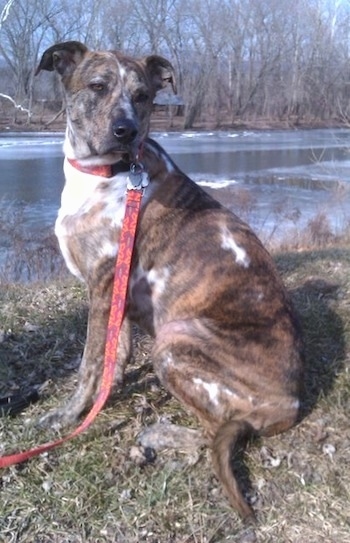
column 226, row 341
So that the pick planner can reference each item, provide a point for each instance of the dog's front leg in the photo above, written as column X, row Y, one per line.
column 91, row 367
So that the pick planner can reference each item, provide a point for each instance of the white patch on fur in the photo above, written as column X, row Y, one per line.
column 122, row 72
column 215, row 391
column 229, row 244
column 125, row 105
column 109, row 249
column 281, row 404
column 157, row 279
column 168, row 361
column 211, row 388
column 81, row 193
column 229, row 392
column 295, row 404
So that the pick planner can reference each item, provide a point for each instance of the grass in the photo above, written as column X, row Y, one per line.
column 26, row 255
column 95, row 489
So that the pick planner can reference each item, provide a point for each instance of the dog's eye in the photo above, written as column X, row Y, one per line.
column 141, row 97
column 97, row 87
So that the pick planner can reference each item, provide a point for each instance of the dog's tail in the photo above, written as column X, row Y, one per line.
column 225, row 444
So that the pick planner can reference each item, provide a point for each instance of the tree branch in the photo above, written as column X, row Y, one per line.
column 16, row 106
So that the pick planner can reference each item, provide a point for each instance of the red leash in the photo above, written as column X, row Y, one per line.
column 120, row 287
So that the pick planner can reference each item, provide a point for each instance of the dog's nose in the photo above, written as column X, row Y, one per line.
column 125, row 130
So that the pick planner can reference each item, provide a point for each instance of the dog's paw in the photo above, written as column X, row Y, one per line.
column 169, row 436
column 56, row 419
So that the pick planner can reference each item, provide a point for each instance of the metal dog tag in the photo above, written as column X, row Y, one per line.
column 137, row 178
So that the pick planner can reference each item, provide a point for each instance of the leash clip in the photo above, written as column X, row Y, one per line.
column 138, row 178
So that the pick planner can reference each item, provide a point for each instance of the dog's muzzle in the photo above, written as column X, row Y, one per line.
column 125, row 131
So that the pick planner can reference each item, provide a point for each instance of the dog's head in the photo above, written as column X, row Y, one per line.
column 109, row 96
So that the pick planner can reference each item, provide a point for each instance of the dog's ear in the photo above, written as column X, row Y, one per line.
column 161, row 72
column 62, row 57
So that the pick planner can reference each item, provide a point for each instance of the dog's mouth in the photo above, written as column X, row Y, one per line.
column 125, row 139
column 115, row 149
column 125, row 152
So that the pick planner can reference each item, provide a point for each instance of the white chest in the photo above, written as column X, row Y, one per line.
column 83, row 192
column 91, row 212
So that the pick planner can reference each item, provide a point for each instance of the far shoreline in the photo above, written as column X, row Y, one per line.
column 161, row 122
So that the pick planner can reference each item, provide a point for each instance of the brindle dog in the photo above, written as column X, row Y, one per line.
column 226, row 340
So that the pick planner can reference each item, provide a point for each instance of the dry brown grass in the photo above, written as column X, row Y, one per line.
column 94, row 489
column 26, row 254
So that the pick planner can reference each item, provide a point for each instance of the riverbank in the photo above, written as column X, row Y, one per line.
column 161, row 121
column 100, row 488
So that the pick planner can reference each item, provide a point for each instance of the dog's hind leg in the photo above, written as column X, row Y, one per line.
column 189, row 375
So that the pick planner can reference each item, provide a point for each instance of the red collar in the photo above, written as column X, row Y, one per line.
column 102, row 170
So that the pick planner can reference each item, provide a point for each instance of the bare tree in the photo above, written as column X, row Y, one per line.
column 5, row 12
column 236, row 60
column 26, row 25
